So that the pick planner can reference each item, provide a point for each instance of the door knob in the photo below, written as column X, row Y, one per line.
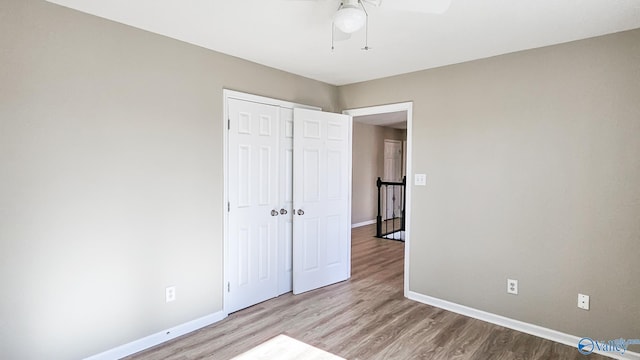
column 300, row 212
column 283, row 211
column 274, row 212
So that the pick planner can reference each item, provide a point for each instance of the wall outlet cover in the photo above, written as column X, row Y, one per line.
column 583, row 301
column 512, row 286
column 170, row 294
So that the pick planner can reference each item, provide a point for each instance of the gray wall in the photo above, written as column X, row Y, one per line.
column 368, row 165
column 533, row 168
column 111, row 178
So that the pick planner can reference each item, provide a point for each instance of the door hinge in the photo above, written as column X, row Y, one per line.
column 228, row 207
column 228, row 286
column 228, row 124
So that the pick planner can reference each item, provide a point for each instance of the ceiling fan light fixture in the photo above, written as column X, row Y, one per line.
column 350, row 18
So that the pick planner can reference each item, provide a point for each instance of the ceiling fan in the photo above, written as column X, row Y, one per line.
column 352, row 15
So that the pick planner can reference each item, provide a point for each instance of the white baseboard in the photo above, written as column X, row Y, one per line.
column 364, row 223
column 521, row 326
column 158, row 338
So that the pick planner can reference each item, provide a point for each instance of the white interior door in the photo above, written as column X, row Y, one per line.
column 321, row 188
column 392, row 173
column 253, row 203
column 392, row 160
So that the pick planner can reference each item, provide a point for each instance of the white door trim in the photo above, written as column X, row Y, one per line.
column 382, row 109
column 231, row 94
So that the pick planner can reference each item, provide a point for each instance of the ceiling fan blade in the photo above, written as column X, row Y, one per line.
column 423, row 6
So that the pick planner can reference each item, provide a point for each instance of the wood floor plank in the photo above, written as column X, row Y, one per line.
column 365, row 317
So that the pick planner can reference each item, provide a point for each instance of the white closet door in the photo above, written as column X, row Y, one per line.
column 254, row 204
column 321, row 193
column 285, row 220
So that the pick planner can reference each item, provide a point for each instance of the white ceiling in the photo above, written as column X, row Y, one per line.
column 295, row 35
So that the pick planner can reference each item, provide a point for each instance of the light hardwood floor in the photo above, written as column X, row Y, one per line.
column 366, row 317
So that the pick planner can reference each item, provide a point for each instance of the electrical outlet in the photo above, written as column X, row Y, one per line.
column 512, row 286
column 420, row 179
column 583, row 301
column 170, row 293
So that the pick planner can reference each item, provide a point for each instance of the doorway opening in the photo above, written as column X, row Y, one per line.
column 394, row 121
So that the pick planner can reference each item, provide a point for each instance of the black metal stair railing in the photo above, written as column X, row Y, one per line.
column 390, row 222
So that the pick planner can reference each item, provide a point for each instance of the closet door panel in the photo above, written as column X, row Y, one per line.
column 253, row 197
column 285, row 220
column 321, row 193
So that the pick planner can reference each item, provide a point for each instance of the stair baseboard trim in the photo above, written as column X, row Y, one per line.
column 364, row 223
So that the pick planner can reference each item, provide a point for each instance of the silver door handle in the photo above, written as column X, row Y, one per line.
column 274, row 212
column 300, row 212
column 283, row 212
